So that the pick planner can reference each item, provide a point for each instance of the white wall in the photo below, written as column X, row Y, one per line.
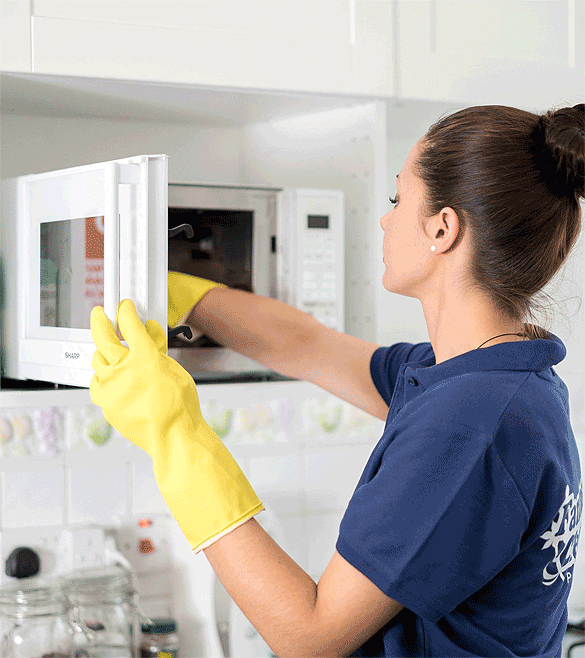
column 340, row 149
column 401, row 318
column 32, row 144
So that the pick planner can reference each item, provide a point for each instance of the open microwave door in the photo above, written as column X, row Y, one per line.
column 87, row 236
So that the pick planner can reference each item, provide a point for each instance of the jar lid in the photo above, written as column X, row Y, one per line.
column 160, row 625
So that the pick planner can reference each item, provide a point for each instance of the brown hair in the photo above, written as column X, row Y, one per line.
column 514, row 179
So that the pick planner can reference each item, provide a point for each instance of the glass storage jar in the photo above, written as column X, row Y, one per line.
column 36, row 621
column 160, row 639
column 107, row 603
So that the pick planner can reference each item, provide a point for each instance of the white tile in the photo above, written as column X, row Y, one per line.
column 88, row 431
column 575, row 382
column 147, row 496
column 244, row 464
column 281, row 501
column 294, row 542
column 569, row 640
column 277, row 479
column 97, row 495
column 277, row 471
column 33, row 498
column 321, row 537
column 31, row 432
column 331, row 477
column 155, row 583
column 328, row 420
column 157, row 606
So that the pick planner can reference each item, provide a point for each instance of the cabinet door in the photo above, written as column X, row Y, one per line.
column 325, row 46
column 528, row 53
column 15, row 36
column 87, row 236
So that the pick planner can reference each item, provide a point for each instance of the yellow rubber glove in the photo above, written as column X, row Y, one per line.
column 184, row 291
column 152, row 401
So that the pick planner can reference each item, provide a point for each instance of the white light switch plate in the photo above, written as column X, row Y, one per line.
column 128, row 540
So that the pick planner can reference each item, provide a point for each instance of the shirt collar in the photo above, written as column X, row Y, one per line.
column 533, row 355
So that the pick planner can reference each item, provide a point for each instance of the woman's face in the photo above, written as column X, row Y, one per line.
column 406, row 248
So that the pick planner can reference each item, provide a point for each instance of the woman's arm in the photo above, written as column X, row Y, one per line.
column 296, row 617
column 292, row 343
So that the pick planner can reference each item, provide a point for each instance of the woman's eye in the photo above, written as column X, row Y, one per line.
column 394, row 201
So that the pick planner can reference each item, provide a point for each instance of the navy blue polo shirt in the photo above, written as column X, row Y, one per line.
column 469, row 508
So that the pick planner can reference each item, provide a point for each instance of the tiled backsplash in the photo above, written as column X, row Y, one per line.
column 303, row 450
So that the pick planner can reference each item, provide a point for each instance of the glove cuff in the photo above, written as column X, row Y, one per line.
column 245, row 517
column 184, row 292
column 204, row 487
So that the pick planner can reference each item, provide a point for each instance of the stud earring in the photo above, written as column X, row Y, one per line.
column 433, row 248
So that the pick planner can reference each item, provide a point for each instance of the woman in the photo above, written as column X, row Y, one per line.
column 461, row 535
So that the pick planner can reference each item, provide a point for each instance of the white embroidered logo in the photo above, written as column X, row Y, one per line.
column 563, row 536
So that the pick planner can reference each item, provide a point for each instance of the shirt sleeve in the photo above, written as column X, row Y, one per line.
column 439, row 519
column 385, row 366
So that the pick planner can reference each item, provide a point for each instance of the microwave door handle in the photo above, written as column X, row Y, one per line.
column 183, row 329
column 187, row 228
column 112, row 242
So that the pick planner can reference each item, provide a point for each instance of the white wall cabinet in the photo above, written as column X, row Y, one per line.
column 326, row 46
column 528, row 53
column 15, row 36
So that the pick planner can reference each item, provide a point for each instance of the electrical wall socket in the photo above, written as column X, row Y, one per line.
column 52, row 545
column 87, row 547
column 65, row 549
column 60, row 550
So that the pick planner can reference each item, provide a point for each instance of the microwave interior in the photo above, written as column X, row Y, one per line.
column 220, row 250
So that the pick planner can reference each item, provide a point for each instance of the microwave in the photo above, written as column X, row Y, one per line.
column 96, row 234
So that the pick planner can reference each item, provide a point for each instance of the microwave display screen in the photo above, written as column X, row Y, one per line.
column 318, row 221
column 69, row 274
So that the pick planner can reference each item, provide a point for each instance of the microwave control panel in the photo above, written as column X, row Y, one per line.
column 311, row 250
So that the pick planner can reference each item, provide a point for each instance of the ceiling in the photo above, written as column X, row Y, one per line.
column 46, row 95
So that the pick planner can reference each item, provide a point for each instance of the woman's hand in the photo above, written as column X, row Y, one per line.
column 152, row 401
column 140, row 389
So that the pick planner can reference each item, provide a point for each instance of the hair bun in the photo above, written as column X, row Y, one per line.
column 564, row 136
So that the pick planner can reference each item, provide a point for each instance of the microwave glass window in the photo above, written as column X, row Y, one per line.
column 220, row 249
column 317, row 221
column 71, row 271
